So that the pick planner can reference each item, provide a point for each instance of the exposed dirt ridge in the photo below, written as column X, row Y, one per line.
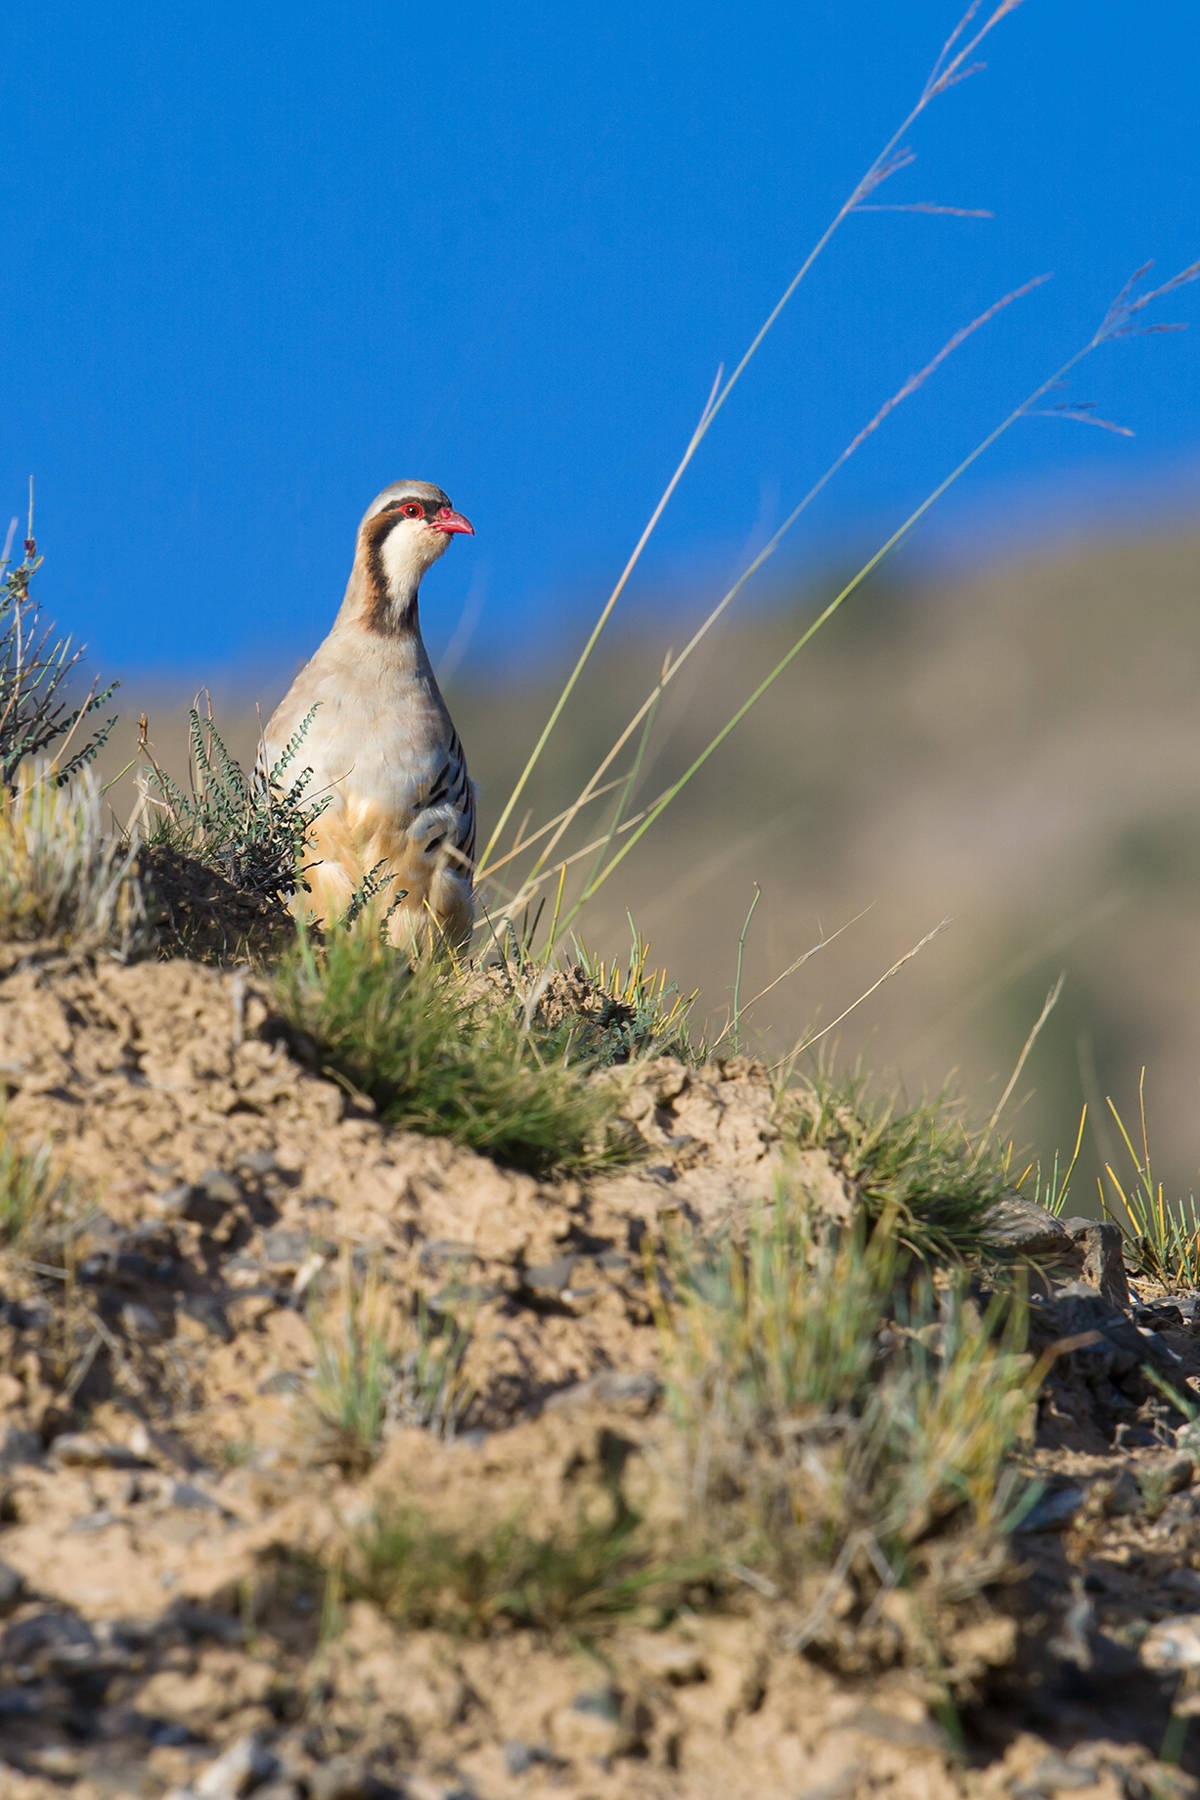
column 228, row 1177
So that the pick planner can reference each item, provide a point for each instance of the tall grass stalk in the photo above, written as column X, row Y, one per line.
column 1120, row 320
column 1054, row 1195
column 947, row 72
column 1050, row 1002
column 736, row 1019
column 673, row 665
column 807, row 1042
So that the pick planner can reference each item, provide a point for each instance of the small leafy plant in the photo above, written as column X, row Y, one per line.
column 252, row 829
column 225, row 856
column 36, row 714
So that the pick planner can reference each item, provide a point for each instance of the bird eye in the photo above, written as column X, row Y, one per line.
column 412, row 509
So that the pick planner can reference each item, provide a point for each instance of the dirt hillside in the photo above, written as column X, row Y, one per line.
column 179, row 1532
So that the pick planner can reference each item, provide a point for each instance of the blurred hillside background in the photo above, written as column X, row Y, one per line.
column 262, row 262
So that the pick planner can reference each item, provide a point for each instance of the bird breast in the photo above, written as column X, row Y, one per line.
column 376, row 744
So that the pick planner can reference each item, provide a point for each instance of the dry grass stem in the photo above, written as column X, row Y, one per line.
column 1048, row 1005
column 944, row 75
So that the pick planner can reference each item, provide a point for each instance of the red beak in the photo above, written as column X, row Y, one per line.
column 448, row 520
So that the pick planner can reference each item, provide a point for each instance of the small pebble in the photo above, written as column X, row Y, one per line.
column 96, row 1521
column 75, row 1449
column 219, row 1186
column 174, row 1202
column 519, row 1758
column 235, row 1771
column 193, row 1499
column 139, row 1322
column 344, row 1778
column 258, row 1162
column 12, row 1584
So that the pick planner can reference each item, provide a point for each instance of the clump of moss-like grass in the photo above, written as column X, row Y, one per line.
column 575, row 1578
column 437, row 1053
column 920, row 1165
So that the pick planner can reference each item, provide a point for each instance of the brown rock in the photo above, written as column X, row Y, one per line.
column 1018, row 1227
column 1103, row 1244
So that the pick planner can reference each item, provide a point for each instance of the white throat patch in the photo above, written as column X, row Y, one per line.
column 408, row 550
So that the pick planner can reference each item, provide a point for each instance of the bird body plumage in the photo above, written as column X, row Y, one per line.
column 382, row 746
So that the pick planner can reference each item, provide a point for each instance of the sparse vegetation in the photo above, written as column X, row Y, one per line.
column 32, row 1193
column 832, row 1401
column 826, row 1399
column 379, row 1363
column 1162, row 1240
column 63, row 874
column 919, row 1166
column 438, row 1054
column 36, row 678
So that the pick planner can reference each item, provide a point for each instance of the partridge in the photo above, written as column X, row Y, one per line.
column 384, row 754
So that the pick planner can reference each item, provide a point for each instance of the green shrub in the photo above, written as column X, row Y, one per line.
column 36, row 680
column 224, row 857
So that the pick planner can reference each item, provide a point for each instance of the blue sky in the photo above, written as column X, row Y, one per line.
column 261, row 261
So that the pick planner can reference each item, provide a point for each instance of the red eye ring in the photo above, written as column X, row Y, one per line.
column 412, row 509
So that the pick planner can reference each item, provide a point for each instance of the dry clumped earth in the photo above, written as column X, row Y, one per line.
column 173, row 1522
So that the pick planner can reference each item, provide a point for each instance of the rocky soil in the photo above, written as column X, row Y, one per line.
column 166, row 1494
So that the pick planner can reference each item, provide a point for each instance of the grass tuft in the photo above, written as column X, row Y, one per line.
column 919, row 1165
column 574, row 1579
column 824, row 1399
column 36, row 1204
column 379, row 1364
column 1162, row 1242
column 62, row 875
column 441, row 1054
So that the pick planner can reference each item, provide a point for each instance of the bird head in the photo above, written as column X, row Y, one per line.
column 406, row 528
